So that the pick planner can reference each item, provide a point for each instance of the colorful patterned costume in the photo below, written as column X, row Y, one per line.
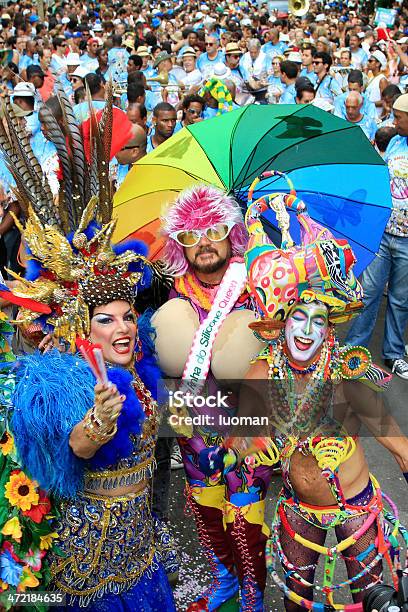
column 302, row 410
column 228, row 508
column 106, row 552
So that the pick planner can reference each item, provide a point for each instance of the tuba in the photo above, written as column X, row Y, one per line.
column 298, row 8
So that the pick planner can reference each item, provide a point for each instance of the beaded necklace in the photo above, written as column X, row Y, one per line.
column 293, row 410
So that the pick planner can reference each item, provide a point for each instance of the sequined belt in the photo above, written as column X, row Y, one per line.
column 123, row 477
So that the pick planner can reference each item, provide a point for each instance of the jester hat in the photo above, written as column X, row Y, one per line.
column 319, row 269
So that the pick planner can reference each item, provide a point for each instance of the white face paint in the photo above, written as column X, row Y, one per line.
column 305, row 331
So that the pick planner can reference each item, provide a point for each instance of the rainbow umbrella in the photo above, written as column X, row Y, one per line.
column 332, row 165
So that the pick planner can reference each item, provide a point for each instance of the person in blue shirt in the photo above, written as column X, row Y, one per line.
column 29, row 58
column 90, row 58
column 308, row 52
column 162, row 66
column 273, row 46
column 354, row 83
column 212, row 56
column 118, row 58
column 164, row 123
column 391, row 261
column 193, row 107
column 289, row 74
column 327, row 88
column 354, row 114
column 359, row 57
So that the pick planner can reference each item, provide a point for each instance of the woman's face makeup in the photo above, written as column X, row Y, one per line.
column 114, row 327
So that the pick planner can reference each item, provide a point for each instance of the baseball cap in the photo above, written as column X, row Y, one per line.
column 81, row 72
column 65, row 20
column 294, row 56
column 73, row 59
column 6, row 17
column 34, row 69
column 380, row 57
column 24, row 90
column 163, row 55
column 199, row 15
column 33, row 18
column 93, row 39
column 97, row 27
column 402, row 41
column 232, row 49
column 401, row 103
column 156, row 22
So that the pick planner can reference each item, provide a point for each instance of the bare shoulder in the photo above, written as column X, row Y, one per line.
column 257, row 370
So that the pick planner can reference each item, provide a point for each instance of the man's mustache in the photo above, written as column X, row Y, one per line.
column 206, row 250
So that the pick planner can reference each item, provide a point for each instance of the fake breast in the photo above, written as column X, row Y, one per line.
column 175, row 324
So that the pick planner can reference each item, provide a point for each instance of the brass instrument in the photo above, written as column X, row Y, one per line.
column 298, row 8
column 162, row 78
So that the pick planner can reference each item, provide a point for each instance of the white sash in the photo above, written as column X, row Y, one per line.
column 199, row 359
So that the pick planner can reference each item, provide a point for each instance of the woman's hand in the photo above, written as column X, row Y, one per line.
column 108, row 406
column 108, row 403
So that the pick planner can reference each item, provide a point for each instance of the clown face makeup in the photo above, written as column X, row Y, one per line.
column 305, row 331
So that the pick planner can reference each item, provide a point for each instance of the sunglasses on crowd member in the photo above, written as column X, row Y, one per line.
column 190, row 238
column 192, row 111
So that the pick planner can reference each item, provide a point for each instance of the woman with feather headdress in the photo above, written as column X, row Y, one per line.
column 85, row 429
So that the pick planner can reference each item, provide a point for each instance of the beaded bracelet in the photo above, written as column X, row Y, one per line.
column 96, row 430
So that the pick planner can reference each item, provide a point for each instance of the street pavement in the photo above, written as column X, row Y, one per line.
column 194, row 574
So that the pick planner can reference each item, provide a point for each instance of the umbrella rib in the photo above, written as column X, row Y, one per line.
column 160, row 190
column 231, row 178
column 351, row 127
column 209, row 160
column 252, row 154
column 275, row 157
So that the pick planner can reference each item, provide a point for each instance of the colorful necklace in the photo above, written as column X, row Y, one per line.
column 293, row 410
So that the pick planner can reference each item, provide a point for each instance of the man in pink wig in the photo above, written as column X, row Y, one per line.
column 203, row 338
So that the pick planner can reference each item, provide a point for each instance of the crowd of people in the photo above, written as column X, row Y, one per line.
column 89, row 89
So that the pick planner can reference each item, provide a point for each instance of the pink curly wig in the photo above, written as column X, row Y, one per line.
column 200, row 207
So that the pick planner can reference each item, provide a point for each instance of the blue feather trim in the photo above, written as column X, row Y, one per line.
column 33, row 267
column 52, row 395
column 140, row 248
column 129, row 422
column 147, row 368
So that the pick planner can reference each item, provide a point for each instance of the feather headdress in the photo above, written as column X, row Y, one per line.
column 72, row 264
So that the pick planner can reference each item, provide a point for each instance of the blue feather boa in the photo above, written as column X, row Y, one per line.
column 53, row 393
